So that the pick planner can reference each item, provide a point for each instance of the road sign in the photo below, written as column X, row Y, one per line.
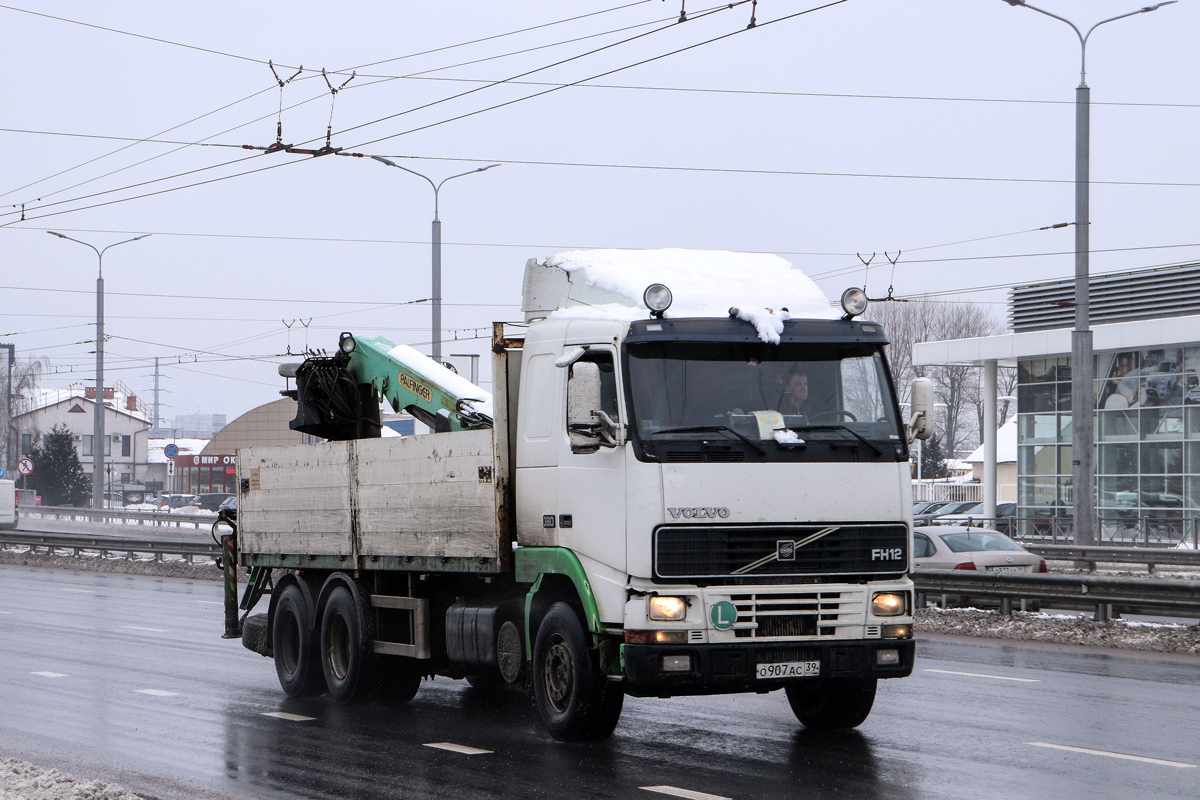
column 170, row 467
column 2, row 472
column 25, row 466
column 171, row 450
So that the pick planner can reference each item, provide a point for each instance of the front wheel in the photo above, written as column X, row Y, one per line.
column 832, row 704
column 574, row 699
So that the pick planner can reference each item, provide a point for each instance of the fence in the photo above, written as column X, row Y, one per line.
column 951, row 492
column 1133, row 532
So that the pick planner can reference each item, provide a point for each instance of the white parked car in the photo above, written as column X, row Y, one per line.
column 954, row 547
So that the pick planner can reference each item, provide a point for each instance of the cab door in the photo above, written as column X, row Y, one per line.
column 591, row 463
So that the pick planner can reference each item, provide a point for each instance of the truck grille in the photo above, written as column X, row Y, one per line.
column 791, row 615
column 723, row 551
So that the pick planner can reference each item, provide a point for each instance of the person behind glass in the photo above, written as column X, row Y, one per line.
column 794, row 399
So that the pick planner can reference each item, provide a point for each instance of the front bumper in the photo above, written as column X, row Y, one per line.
column 731, row 668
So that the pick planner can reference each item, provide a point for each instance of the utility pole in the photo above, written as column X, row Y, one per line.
column 98, row 410
column 1083, row 390
column 154, row 427
column 9, row 435
column 436, row 243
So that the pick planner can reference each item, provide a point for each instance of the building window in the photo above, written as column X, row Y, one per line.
column 87, row 444
column 125, row 445
column 26, row 443
column 125, row 475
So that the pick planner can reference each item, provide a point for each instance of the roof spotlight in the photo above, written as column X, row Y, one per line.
column 346, row 343
column 854, row 302
column 657, row 298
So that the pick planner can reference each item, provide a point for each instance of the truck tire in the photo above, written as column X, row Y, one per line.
column 832, row 704
column 293, row 641
column 398, row 678
column 574, row 699
column 347, row 647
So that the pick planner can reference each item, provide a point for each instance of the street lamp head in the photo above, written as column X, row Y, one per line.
column 383, row 160
column 1157, row 6
column 1015, row 2
column 59, row 235
column 485, row 169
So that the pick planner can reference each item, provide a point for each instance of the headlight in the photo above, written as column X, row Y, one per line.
column 667, row 608
column 888, row 604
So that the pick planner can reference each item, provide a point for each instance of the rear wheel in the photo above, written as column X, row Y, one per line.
column 347, row 654
column 832, row 704
column 574, row 699
column 294, row 645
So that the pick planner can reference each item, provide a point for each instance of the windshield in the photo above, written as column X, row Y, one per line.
column 978, row 542
column 759, row 397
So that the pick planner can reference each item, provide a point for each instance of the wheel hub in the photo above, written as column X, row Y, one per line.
column 559, row 674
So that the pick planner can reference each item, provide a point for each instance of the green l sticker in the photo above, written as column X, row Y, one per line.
column 723, row 615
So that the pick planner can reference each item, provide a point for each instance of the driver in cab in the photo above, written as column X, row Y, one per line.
column 793, row 398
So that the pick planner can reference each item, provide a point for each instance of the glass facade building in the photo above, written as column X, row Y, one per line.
column 1147, row 449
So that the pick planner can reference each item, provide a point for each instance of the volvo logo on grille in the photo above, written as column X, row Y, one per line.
column 698, row 513
column 785, row 551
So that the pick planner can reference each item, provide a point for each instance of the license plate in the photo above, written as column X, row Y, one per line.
column 1008, row 569
column 790, row 669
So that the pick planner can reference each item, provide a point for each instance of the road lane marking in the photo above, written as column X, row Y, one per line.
column 212, row 602
column 5, row 612
column 287, row 716
column 157, row 692
column 140, row 628
column 982, row 675
column 81, row 591
column 1126, row 756
column 49, row 674
column 677, row 792
column 458, row 748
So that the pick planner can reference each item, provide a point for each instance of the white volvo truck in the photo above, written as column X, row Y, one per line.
column 642, row 509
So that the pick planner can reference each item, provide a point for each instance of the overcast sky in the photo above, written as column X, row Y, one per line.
column 932, row 121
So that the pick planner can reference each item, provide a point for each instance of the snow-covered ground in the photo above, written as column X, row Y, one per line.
column 1061, row 629
column 20, row 780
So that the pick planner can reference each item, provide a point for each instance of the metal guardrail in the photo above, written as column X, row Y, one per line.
column 108, row 544
column 1108, row 595
column 1133, row 532
column 155, row 518
column 1151, row 557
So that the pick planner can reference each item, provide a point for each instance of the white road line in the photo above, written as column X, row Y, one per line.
column 982, row 675
column 140, row 628
column 1159, row 761
column 5, row 612
column 688, row 793
column 81, row 591
column 212, row 602
column 458, row 748
column 49, row 674
column 157, row 692
column 287, row 716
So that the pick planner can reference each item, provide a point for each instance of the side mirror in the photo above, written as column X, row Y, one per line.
column 588, row 426
column 920, row 426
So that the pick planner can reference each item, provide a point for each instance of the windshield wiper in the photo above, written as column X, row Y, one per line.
column 878, row 452
column 712, row 429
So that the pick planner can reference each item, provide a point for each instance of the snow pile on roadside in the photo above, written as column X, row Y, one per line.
column 703, row 283
column 20, row 780
column 1060, row 629
column 114, row 564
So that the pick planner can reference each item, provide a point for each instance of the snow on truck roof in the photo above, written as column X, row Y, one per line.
column 703, row 283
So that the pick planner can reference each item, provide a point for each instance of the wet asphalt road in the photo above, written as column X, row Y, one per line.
column 142, row 691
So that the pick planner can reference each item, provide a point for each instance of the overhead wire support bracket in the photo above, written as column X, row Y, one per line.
column 279, row 145
column 333, row 91
column 891, row 295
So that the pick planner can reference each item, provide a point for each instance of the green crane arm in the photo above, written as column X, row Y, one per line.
column 411, row 381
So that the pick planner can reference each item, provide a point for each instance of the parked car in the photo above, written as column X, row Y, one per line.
column 230, row 504
column 211, row 501
column 951, row 508
column 1004, row 514
column 928, row 506
column 955, row 547
column 170, row 502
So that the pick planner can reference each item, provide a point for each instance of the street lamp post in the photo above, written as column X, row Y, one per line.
column 437, row 248
column 98, row 410
column 1082, row 368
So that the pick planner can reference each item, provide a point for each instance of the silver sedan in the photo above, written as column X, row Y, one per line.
column 955, row 547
